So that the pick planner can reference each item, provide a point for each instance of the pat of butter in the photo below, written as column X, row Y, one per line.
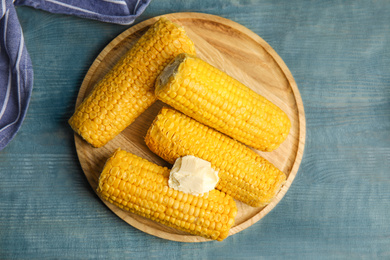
column 192, row 175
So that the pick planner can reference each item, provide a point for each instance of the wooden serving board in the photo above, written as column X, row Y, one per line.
column 240, row 53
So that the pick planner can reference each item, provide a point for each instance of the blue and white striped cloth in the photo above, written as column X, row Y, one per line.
column 16, row 72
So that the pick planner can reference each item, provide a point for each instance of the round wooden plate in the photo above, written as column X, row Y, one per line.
column 240, row 53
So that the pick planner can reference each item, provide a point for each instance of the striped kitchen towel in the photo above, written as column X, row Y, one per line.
column 16, row 73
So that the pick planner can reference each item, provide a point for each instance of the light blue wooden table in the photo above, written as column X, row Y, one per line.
column 338, row 207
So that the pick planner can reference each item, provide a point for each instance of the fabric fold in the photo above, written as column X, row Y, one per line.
column 111, row 11
column 16, row 75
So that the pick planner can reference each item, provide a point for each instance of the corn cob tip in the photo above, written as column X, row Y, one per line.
column 169, row 72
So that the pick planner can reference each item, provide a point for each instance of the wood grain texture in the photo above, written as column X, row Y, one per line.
column 241, row 54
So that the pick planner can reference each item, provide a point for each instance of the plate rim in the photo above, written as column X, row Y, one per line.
column 126, row 216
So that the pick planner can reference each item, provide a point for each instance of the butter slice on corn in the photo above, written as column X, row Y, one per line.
column 128, row 89
column 210, row 96
column 141, row 187
column 243, row 174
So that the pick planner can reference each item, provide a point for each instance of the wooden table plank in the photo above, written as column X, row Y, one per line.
column 338, row 206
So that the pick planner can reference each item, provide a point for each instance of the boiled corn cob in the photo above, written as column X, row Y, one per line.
column 128, row 89
column 210, row 96
column 141, row 187
column 243, row 174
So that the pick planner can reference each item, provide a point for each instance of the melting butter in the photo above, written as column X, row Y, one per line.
column 193, row 175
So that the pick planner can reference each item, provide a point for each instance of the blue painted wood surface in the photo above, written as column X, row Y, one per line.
column 339, row 204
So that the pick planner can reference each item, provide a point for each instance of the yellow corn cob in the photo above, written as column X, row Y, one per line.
column 128, row 89
column 141, row 187
column 210, row 96
column 243, row 174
